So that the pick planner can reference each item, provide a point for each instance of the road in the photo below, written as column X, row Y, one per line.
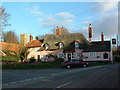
column 91, row 77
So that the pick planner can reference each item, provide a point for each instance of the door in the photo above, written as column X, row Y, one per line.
column 38, row 57
column 69, row 56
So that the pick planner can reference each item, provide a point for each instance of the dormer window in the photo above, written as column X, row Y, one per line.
column 61, row 45
column 76, row 44
column 47, row 46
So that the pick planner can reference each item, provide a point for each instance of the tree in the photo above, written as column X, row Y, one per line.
column 10, row 37
column 4, row 17
column 37, row 38
column 23, row 52
column 40, row 37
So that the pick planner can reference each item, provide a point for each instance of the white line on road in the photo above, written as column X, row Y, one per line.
column 63, row 85
column 13, row 82
column 35, row 78
column 40, row 77
column 28, row 79
column 22, row 81
column 5, row 84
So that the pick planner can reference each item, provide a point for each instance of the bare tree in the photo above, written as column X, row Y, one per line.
column 4, row 16
column 23, row 52
column 40, row 37
column 10, row 37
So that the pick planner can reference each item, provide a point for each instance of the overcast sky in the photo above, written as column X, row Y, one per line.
column 39, row 18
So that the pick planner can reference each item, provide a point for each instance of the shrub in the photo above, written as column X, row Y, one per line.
column 59, row 60
column 117, row 58
column 10, row 58
column 32, row 59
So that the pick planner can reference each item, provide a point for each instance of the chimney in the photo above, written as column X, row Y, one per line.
column 31, row 38
column 57, row 31
column 102, row 38
column 90, row 32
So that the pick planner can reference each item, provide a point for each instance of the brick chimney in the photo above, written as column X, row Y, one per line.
column 90, row 32
column 57, row 31
column 31, row 38
column 102, row 38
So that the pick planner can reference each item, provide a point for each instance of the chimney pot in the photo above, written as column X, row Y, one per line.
column 90, row 32
column 31, row 38
column 102, row 38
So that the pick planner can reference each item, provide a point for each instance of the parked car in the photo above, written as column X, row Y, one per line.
column 74, row 63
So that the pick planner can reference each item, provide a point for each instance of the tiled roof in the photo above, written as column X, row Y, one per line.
column 34, row 43
column 2, row 53
column 98, row 46
column 9, row 46
column 67, row 39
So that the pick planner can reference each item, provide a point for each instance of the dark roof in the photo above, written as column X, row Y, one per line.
column 34, row 43
column 67, row 40
column 97, row 46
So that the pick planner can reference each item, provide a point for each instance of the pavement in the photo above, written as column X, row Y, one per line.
column 106, row 76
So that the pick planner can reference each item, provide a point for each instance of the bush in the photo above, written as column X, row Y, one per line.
column 117, row 58
column 59, row 60
column 32, row 59
column 10, row 58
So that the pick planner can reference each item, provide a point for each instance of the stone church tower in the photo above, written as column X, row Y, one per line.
column 23, row 39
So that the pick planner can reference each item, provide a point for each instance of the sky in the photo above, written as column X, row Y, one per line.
column 40, row 18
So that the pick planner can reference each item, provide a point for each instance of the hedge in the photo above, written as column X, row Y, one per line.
column 10, row 58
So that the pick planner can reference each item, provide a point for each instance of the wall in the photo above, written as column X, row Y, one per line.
column 23, row 39
column 34, row 52
column 94, row 58
column 77, row 51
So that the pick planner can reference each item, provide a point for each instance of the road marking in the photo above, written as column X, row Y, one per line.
column 28, row 79
column 22, row 81
column 5, row 84
column 40, row 77
column 53, row 74
column 13, row 82
column 63, row 85
column 35, row 78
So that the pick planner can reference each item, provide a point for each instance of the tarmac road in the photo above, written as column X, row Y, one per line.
column 105, row 76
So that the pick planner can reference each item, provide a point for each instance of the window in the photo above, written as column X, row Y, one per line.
column 76, row 45
column 33, row 49
column 61, row 56
column 78, row 55
column 32, row 56
column 47, row 46
column 92, row 54
column 61, row 45
column 98, row 56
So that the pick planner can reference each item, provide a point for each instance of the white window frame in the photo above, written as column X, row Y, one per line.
column 78, row 55
column 47, row 46
column 92, row 54
column 77, row 45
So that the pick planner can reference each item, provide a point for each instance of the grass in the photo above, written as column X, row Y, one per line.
column 44, row 65
column 32, row 66
column 98, row 63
